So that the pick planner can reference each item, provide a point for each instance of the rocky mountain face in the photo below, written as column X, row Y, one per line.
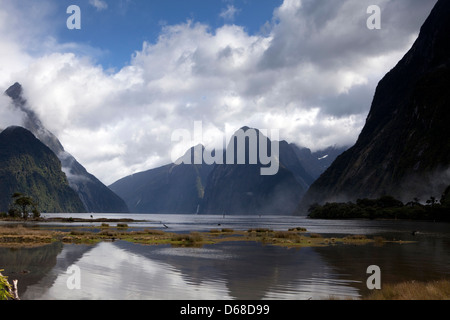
column 95, row 196
column 315, row 163
column 403, row 150
column 29, row 167
column 242, row 189
column 171, row 189
column 216, row 188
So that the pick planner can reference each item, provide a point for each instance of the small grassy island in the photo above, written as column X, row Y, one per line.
column 28, row 234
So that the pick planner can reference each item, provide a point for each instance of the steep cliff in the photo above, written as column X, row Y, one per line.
column 404, row 149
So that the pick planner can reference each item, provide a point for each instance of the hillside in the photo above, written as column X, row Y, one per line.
column 29, row 167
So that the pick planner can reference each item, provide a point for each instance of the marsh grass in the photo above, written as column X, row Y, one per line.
column 286, row 235
column 25, row 236
column 17, row 235
column 191, row 238
column 259, row 230
column 435, row 290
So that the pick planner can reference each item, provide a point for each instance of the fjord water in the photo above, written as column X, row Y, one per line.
column 233, row 270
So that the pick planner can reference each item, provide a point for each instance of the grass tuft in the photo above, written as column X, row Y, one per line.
column 413, row 290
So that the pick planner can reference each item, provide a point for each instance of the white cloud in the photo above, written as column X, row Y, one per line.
column 99, row 4
column 312, row 76
column 229, row 13
column 9, row 116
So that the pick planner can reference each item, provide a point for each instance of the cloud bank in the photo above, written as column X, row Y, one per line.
column 311, row 72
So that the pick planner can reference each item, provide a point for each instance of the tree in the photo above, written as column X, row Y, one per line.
column 432, row 201
column 24, row 202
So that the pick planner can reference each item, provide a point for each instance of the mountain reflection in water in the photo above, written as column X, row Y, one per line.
column 241, row 271
column 233, row 270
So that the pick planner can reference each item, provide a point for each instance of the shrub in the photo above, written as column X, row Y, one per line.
column 298, row 229
column 5, row 287
column 13, row 213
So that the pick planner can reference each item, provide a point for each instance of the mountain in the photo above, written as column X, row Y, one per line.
column 188, row 188
column 315, row 163
column 171, row 189
column 31, row 168
column 403, row 150
column 95, row 196
column 242, row 189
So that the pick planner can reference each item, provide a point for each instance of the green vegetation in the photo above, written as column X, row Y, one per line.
column 5, row 288
column 435, row 290
column 187, row 240
column 22, row 205
column 29, row 167
column 385, row 207
column 299, row 229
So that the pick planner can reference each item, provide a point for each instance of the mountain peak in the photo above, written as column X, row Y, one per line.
column 17, row 131
column 15, row 91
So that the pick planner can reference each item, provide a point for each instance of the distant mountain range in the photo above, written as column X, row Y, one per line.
column 225, row 188
column 95, row 196
column 404, row 148
column 29, row 167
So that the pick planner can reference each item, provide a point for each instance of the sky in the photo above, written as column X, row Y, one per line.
column 115, row 90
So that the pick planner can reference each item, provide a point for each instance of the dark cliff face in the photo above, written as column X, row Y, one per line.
column 29, row 167
column 404, row 149
column 95, row 196
column 242, row 189
column 171, row 189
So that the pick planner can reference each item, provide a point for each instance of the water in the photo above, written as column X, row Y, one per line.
column 234, row 270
